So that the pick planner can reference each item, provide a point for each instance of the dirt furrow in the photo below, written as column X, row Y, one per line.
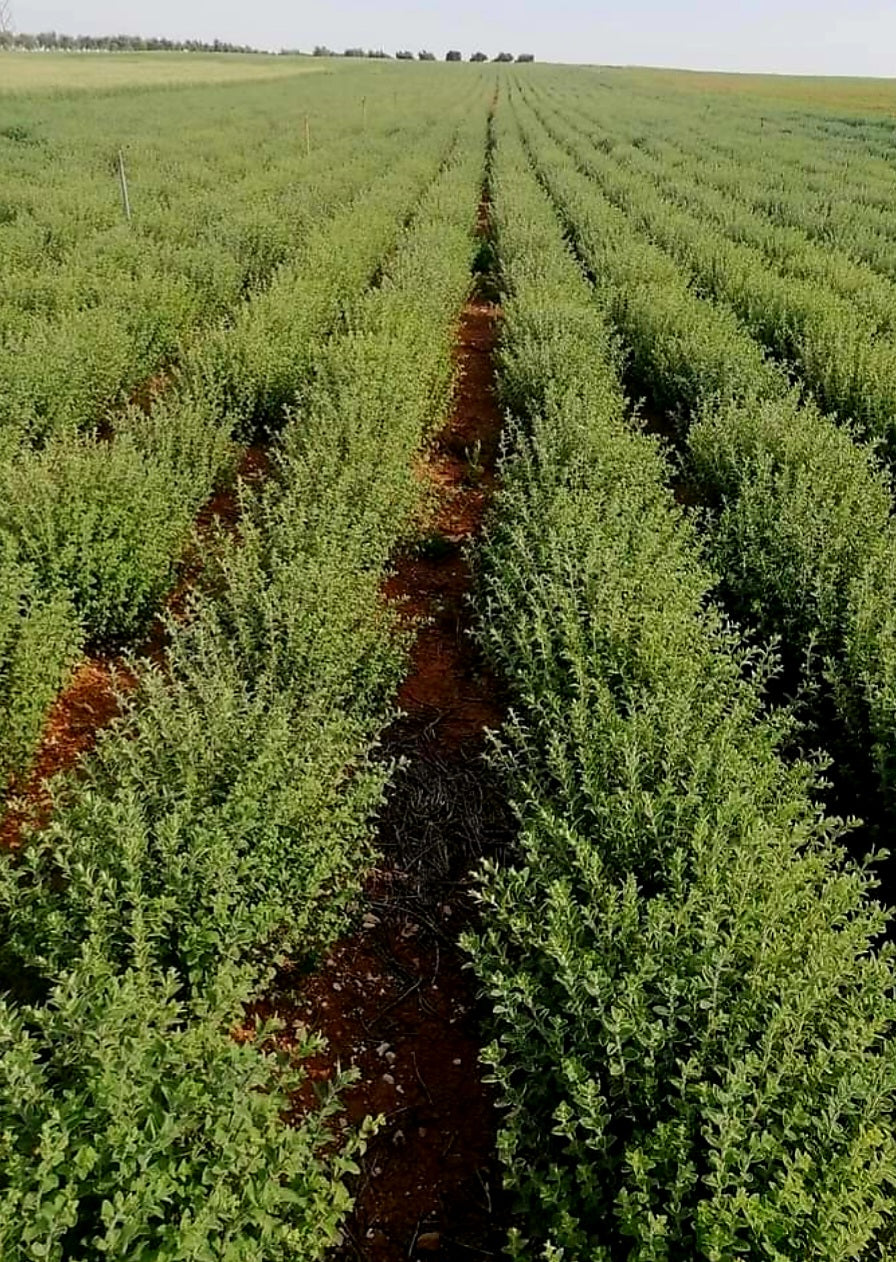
column 394, row 999
column 90, row 700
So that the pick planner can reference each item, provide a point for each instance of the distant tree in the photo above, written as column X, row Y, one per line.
column 404, row 55
column 504, row 57
column 479, row 57
column 453, row 55
column 526, row 57
column 321, row 50
column 425, row 56
column 354, row 52
column 378, row 54
column 122, row 43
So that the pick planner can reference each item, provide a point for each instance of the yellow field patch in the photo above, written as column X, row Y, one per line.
column 862, row 96
column 58, row 71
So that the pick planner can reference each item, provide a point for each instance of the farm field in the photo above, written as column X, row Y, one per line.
column 55, row 73
column 447, row 662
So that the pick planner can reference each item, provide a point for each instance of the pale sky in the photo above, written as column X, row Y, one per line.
column 788, row 36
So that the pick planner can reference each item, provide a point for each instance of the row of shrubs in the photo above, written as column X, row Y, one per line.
column 702, row 184
column 224, row 823
column 692, row 1009
column 94, row 529
column 835, row 326
column 807, row 175
column 223, row 193
column 800, row 529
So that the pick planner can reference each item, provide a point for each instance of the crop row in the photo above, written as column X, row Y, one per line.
column 224, row 822
column 683, row 175
column 792, row 135
column 839, row 204
column 801, row 532
column 798, row 151
column 835, row 193
column 691, row 1016
column 832, row 342
column 93, row 529
column 224, row 194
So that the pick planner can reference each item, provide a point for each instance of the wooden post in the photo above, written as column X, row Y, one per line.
column 307, row 138
column 123, row 180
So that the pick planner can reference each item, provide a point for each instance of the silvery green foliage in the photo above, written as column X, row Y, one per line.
column 692, row 1010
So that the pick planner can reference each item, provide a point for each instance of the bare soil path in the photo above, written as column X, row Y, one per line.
column 394, row 999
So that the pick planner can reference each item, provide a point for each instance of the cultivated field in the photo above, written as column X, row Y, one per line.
column 63, row 72
column 545, row 772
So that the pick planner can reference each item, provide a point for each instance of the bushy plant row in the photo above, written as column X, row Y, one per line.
column 684, row 179
column 38, row 645
column 838, row 349
column 103, row 524
column 837, row 189
column 223, row 194
column 250, row 366
column 692, row 1011
column 801, row 513
column 223, row 822
column 803, row 179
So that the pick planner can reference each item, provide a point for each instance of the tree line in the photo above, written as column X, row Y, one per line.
column 405, row 54
column 50, row 40
column 46, row 40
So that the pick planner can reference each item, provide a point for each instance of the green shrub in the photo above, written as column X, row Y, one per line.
column 107, row 522
column 798, row 510
column 693, row 1015
column 842, row 352
column 225, row 821
column 39, row 635
column 254, row 365
column 134, row 1128
column 223, row 198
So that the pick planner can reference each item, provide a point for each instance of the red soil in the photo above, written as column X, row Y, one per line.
column 447, row 683
column 145, row 394
column 87, row 705
column 394, row 999
column 89, row 701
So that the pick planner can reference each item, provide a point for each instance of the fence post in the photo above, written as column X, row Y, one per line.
column 123, row 179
